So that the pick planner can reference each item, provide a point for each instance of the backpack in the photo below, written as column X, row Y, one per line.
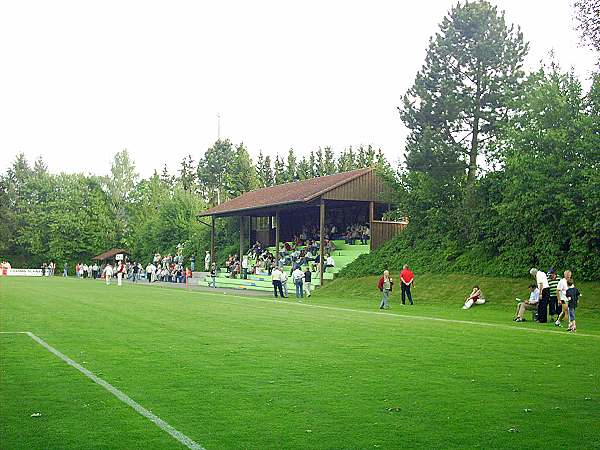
column 573, row 296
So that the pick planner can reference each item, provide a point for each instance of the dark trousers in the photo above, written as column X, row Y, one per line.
column 543, row 306
column 244, row 273
column 405, row 293
column 555, row 310
column 277, row 286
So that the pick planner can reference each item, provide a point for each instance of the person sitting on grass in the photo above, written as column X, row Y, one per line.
column 475, row 298
column 329, row 262
column 528, row 305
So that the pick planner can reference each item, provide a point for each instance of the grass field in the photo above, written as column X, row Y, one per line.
column 237, row 372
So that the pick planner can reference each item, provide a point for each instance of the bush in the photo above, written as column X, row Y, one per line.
column 427, row 254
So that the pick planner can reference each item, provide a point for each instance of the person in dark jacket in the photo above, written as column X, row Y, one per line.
column 307, row 281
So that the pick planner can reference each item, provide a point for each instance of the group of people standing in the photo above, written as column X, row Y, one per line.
column 48, row 269
column 550, row 294
column 302, row 282
column 84, row 270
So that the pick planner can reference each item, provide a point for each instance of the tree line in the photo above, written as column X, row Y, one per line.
column 73, row 217
column 502, row 169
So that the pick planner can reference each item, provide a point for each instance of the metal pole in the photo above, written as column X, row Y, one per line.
column 322, row 239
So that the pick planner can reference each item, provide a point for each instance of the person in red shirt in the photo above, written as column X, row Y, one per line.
column 407, row 279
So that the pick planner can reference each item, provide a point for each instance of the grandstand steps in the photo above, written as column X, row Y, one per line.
column 343, row 255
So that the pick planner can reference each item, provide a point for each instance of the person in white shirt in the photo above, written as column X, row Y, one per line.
column 298, row 277
column 528, row 305
column 245, row 267
column 284, row 278
column 475, row 298
column 541, row 281
column 276, row 280
column 561, row 293
column 149, row 273
column 108, row 273
column 329, row 262
column 207, row 261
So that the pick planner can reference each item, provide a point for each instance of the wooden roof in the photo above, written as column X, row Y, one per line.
column 109, row 254
column 292, row 193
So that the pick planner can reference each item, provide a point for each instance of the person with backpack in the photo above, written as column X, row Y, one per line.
column 385, row 284
column 572, row 299
column 307, row 281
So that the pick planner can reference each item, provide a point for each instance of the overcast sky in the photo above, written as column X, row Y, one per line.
column 81, row 80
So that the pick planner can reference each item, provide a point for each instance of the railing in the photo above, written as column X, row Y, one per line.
column 384, row 230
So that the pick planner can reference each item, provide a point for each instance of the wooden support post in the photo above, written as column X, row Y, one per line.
column 277, row 236
column 371, row 217
column 212, row 240
column 321, row 240
column 241, row 236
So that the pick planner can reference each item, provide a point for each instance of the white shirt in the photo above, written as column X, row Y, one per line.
column 297, row 274
column 534, row 297
column 245, row 263
column 330, row 261
column 276, row 275
column 541, row 278
column 108, row 271
column 207, row 258
column 561, row 289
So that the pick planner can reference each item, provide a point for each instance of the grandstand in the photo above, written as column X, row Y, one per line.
column 278, row 213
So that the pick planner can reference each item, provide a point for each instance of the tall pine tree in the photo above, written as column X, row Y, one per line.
column 462, row 95
column 279, row 174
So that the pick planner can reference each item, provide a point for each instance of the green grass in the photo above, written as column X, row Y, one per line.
column 236, row 372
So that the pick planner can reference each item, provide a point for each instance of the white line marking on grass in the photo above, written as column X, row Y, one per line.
column 407, row 316
column 189, row 443
column 13, row 332
column 440, row 319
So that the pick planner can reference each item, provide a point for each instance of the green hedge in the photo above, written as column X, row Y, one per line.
column 427, row 254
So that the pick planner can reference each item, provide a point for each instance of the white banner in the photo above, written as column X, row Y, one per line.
column 24, row 272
